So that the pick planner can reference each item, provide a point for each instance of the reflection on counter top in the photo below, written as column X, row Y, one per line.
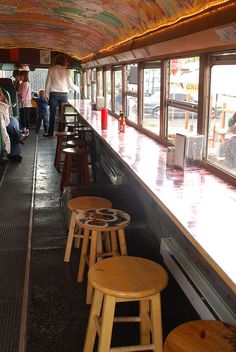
column 201, row 205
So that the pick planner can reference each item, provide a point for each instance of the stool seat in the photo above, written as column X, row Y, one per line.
column 126, row 279
column 108, row 277
column 88, row 202
column 104, row 219
column 65, row 134
column 77, row 205
column 76, row 143
column 202, row 336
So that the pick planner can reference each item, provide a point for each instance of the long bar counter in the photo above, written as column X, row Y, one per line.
column 201, row 205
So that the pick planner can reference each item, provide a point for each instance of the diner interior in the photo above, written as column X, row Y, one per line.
column 102, row 224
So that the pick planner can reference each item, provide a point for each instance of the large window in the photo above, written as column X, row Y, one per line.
column 222, row 117
column 94, row 86
column 151, row 98
column 99, row 83
column 118, row 90
column 108, row 89
column 131, row 89
column 182, row 99
column 89, row 83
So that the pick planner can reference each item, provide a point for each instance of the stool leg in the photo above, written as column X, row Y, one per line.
column 106, row 323
column 156, row 323
column 92, row 261
column 107, row 241
column 58, row 153
column 99, row 246
column 114, row 244
column 91, row 329
column 70, row 237
column 144, row 322
column 123, row 248
column 83, row 254
column 78, row 232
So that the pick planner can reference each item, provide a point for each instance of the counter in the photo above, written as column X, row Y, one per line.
column 201, row 205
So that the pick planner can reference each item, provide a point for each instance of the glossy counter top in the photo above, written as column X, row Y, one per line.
column 200, row 204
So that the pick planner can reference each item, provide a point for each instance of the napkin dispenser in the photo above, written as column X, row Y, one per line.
column 188, row 150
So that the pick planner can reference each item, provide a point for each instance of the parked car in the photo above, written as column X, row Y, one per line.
column 152, row 107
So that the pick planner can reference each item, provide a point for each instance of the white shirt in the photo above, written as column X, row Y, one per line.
column 59, row 80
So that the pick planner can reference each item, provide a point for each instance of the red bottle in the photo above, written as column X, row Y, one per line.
column 121, row 122
column 104, row 114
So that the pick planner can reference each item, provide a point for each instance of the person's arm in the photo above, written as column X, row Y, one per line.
column 71, row 84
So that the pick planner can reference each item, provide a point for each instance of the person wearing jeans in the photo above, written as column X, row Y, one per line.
column 58, row 84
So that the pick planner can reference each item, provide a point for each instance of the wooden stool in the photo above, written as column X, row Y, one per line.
column 95, row 223
column 62, row 138
column 77, row 205
column 78, row 143
column 63, row 122
column 125, row 279
column 76, row 160
column 202, row 336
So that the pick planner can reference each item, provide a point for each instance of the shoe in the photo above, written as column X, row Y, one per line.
column 16, row 157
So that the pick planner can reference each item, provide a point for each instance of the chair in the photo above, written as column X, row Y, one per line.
column 7, row 84
column 126, row 279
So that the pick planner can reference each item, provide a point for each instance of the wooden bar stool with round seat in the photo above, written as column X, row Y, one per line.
column 76, row 205
column 76, row 161
column 66, row 117
column 78, row 143
column 126, row 279
column 202, row 336
column 97, row 224
column 62, row 138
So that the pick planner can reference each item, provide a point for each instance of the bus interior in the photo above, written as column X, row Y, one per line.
column 170, row 67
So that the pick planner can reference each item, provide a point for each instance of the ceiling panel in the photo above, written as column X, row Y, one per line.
column 80, row 28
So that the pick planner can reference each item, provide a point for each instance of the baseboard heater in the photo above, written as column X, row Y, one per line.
column 200, row 293
column 110, row 170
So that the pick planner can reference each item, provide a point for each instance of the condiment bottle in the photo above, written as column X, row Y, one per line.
column 122, row 122
column 104, row 114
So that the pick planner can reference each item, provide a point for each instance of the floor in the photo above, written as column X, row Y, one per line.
column 56, row 313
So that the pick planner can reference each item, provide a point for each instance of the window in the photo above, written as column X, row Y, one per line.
column 182, row 99
column 131, row 89
column 89, row 82
column 99, row 83
column 108, row 89
column 118, row 90
column 151, row 99
column 221, row 149
column 94, row 85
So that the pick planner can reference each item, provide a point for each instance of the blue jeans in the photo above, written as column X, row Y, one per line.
column 42, row 116
column 13, row 130
column 55, row 99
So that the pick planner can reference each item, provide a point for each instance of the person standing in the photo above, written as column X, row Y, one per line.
column 25, row 101
column 42, row 112
column 58, row 84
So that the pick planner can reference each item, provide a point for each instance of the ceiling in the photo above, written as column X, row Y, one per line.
column 81, row 28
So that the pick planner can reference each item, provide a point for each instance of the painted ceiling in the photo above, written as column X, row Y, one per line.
column 83, row 27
